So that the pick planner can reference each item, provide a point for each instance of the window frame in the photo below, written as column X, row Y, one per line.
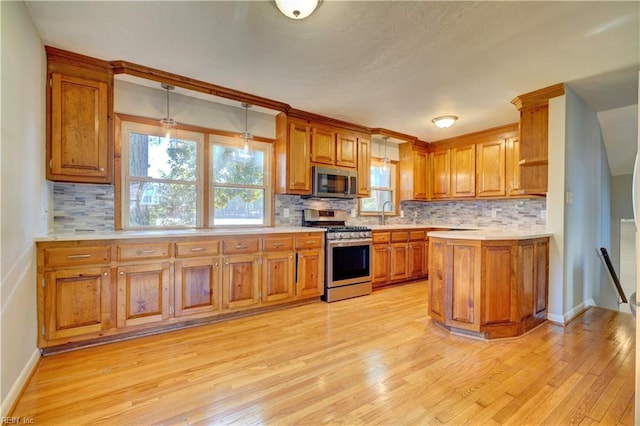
column 393, row 175
column 257, row 145
column 129, row 126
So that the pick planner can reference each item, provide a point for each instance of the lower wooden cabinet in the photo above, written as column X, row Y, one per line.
column 143, row 294
column 95, row 291
column 76, row 302
column 197, row 287
column 489, row 288
column 399, row 256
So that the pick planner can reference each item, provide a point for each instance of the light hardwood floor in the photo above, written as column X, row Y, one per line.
column 371, row 360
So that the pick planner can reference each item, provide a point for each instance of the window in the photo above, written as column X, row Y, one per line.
column 240, row 182
column 382, row 189
column 162, row 182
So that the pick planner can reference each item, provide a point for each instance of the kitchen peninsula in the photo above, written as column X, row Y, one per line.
column 488, row 283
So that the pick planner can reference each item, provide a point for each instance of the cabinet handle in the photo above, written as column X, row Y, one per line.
column 198, row 249
column 145, row 251
column 278, row 244
column 241, row 246
column 78, row 256
column 310, row 242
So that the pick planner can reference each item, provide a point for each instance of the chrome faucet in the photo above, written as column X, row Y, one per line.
column 382, row 213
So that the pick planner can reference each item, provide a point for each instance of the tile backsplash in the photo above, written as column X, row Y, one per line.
column 86, row 207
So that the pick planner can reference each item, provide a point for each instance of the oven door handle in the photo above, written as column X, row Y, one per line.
column 354, row 242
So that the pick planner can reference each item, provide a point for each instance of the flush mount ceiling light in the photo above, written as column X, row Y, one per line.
column 168, row 121
column 297, row 9
column 445, row 121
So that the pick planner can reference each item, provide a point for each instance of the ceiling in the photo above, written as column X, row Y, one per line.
column 388, row 64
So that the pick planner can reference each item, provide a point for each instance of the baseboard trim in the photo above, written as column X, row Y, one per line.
column 568, row 316
column 18, row 386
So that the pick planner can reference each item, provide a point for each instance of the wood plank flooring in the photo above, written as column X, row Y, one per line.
column 375, row 360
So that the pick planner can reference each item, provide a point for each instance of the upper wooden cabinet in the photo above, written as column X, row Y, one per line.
column 364, row 166
column 293, row 159
column 534, row 138
column 463, row 171
column 346, row 149
column 413, row 169
column 490, row 168
column 513, row 166
column 440, row 174
column 323, row 145
column 79, row 119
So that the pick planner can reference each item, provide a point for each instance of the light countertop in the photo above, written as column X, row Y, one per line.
column 219, row 232
column 391, row 227
column 491, row 234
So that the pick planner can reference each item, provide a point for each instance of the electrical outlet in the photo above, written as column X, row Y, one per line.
column 285, row 212
column 569, row 197
column 415, row 215
column 401, row 213
column 543, row 214
column 494, row 213
column 353, row 213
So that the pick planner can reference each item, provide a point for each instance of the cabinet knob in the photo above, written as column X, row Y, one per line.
column 102, row 169
column 122, row 273
column 105, row 273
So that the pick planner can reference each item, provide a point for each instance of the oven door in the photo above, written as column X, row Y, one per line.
column 348, row 262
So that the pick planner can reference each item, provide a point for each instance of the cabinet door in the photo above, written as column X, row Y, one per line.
column 298, row 161
column 240, row 282
column 533, row 277
column 420, row 190
column 512, row 166
column 381, row 263
column 277, row 276
column 416, row 259
column 364, row 167
column 437, row 276
column 310, row 277
column 534, row 136
column 463, row 280
column 490, row 164
column 143, row 294
column 197, row 287
column 440, row 175
column 463, row 171
column 346, row 150
column 76, row 302
column 426, row 256
column 323, row 145
column 499, row 292
column 399, row 260
column 79, row 124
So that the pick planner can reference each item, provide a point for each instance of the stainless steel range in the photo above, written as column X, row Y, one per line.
column 348, row 255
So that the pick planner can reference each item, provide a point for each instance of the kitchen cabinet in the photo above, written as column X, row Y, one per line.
column 323, row 145
column 490, row 288
column 364, row 166
column 278, row 269
column 293, row 156
column 92, row 291
column 197, row 287
column 80, row 135
column 143, row 294
column 310, row 261
column 76, row 302
column 440, row 174
column 534, row 138
column 463, row 171
column 346, row 149
column 416, row 257
column 413, row 169
column 513, row 166
column 398, row 255
column 381, row 258
column 491, row 168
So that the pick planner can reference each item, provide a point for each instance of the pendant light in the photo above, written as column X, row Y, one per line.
column 168, row 121
column 297, row 9
column 385, row 160
column 246, row 135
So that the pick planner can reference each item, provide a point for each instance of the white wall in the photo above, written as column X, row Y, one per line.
column 23, row 192
column 147, row 102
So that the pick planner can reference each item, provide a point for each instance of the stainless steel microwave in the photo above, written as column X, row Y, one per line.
column 329, row 182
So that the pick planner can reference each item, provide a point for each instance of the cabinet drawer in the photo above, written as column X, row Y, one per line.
column 399, row 236
column 248, row 245
column 381, row 237
column 277, row 243
column 309, row 242
column 197, row 248
column 416, row 235
column 67, row 256
column 143, row 251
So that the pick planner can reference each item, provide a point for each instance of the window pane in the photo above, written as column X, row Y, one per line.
column 156, row 157
column 380, row 177
column 235, row 206
column 162, row 204
column 377, row 199
column 235, row 165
